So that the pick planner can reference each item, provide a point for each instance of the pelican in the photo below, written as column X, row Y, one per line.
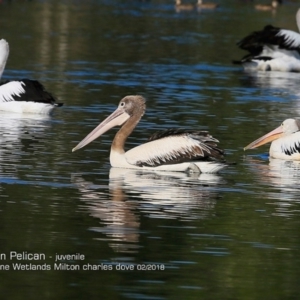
column 272, row 49
column 23, row 96
column 169, row 150
column 202, row 5
column 286, row 141
column 264, row 7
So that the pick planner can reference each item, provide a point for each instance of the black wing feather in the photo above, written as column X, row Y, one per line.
column 35, row 92
column 206, row 150
column 255, row 41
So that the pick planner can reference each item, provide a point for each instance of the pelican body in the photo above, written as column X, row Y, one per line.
column 272, row 49
column 169, row 150
column 285, row 141
column 23, row 96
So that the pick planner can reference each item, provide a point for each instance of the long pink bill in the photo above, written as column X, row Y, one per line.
column 117, row 118
column 269, row 137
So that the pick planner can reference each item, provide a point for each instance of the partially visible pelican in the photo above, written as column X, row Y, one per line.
column 264, row 7
column 272, row 49
column 23, row 96
column 202, row 5
column 286, row 141
column 169, row 150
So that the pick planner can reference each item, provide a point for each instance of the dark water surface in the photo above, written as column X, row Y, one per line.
column 234, row 235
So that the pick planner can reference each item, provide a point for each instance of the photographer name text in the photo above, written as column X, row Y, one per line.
column 27, row 261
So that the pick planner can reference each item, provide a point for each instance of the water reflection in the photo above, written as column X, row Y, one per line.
column 281, row 80
column 18, row 134
column 281, row 179
column 163, row 195
column 278, row 92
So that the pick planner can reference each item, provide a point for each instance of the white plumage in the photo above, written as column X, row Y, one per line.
column 272, row 49
column 23, row 96
column 166, row 149
column 10, row 90
column 291, row 38
column 287, row 147
column 4, row 51
column 159, row 153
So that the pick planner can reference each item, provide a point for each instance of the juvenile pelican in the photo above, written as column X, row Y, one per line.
column 169, row 150
column 272, row 49
column 23, row 96
column 286, row 141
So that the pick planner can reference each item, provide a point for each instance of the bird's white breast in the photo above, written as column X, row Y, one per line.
column 287, row 147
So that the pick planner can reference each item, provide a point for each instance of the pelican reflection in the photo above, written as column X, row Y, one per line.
column 132, row 195
column 281, row 180
column 18, row 134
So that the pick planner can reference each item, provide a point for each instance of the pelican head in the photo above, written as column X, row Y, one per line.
column 287, row 127
column 129, row 108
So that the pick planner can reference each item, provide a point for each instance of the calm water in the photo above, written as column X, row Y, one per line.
column 229, row 236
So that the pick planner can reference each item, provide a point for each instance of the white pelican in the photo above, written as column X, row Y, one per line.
column 23, row 96
column 272, row 49
column 169, row 150
column 286, row 141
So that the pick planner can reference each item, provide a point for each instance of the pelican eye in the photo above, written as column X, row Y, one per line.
column 122, row 104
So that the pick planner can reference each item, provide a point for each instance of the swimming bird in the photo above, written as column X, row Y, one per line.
column 272, row 49
column 201, row 5
column 181, row 6
column 23, row 96
column 267, row 7
column 169, row 150
column 285, row 141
